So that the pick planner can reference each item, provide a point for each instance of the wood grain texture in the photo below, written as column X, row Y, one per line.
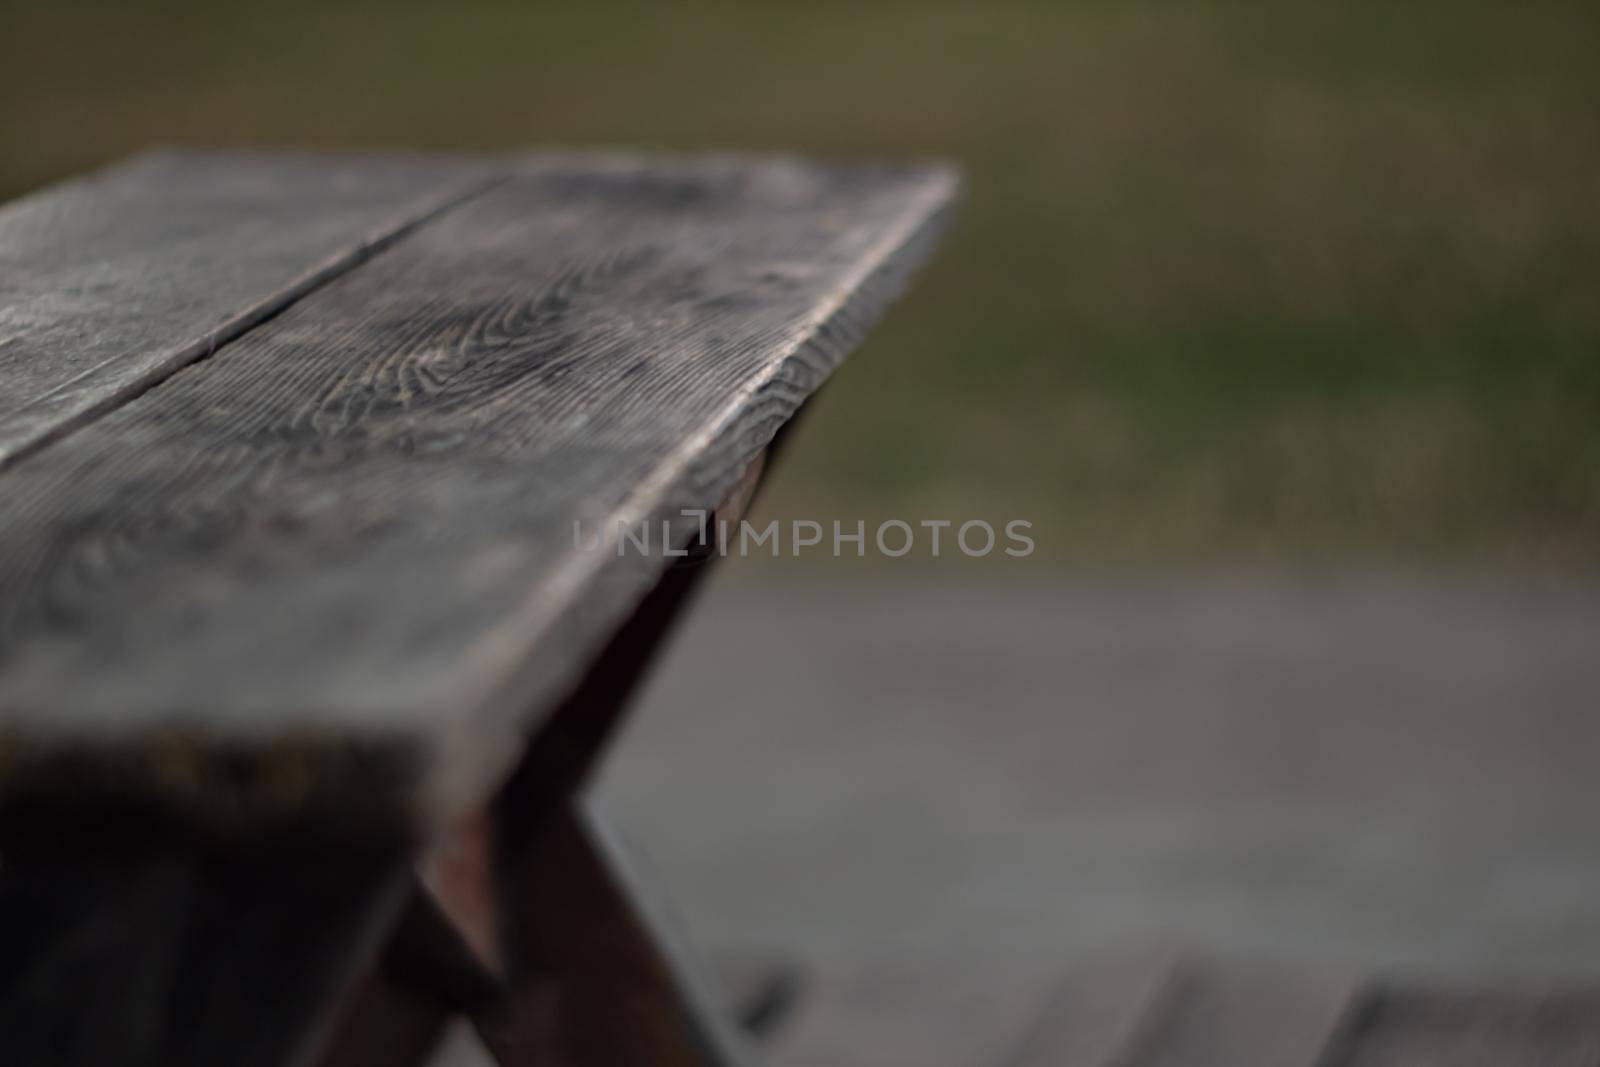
column 332, row 566
column 111, row 282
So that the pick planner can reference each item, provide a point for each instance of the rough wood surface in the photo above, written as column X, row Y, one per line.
column 333, row 567
column 111, row 282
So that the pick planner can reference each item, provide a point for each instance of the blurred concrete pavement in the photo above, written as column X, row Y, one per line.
column 967, row 788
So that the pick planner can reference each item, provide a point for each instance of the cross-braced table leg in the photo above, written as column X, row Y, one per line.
column 592, row 975
column 530, row 922
column 605, row 981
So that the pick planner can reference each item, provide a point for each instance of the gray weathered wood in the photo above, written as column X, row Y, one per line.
column 111, row 282
column 332, row 567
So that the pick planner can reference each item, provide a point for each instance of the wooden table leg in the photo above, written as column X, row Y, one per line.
column 529, row 921
column 604, row 982
column 388, row 1022
column 587, row 968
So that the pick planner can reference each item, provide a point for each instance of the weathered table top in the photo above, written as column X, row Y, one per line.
column 291, row 447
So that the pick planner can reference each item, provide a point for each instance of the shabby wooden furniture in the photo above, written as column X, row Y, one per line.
column 301, row 666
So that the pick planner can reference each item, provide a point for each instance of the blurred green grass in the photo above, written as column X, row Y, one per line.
column 1232, row 279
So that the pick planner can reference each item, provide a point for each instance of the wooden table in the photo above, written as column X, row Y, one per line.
column 301, row 668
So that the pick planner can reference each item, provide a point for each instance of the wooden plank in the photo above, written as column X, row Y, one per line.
column 1227, row 1014
column 109, row 283
column 1174, row 1009
column 1552, row 1026
column 1222, row 1017
column 1100, row 1016
column 333, row 567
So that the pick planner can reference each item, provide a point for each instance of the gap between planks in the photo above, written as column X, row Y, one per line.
column 237, row 324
